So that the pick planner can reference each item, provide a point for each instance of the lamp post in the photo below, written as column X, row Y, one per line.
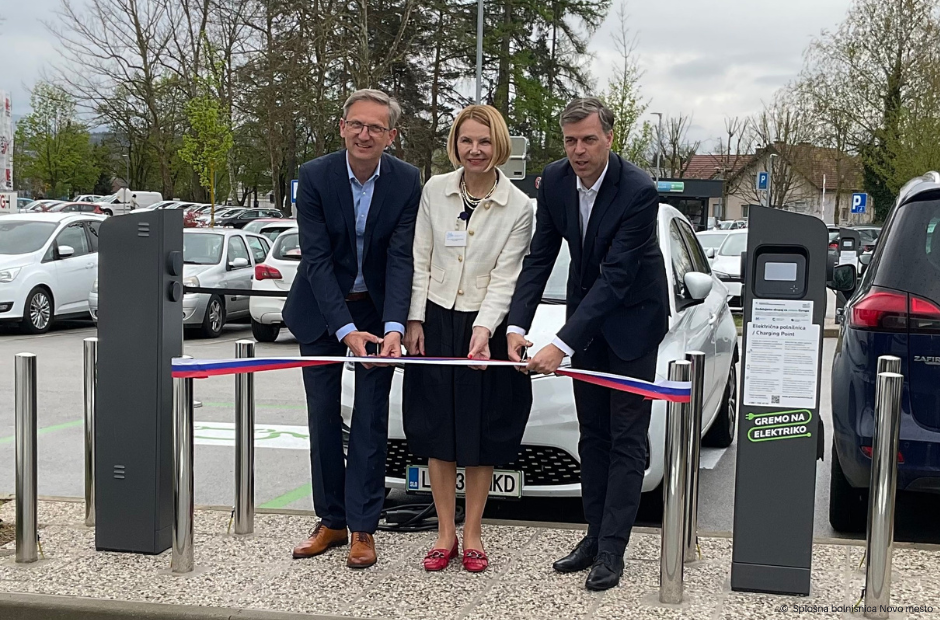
column 659, row 144
column 127, row 167
column 479, row 52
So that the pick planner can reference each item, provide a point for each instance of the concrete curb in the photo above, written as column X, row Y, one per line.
column 50, row 607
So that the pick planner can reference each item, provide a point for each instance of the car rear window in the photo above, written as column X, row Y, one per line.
column 909, row 251
column 287, row 247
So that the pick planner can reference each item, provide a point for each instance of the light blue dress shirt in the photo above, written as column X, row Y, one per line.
column 362, row 200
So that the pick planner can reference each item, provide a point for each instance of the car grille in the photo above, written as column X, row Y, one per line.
column 542, row 465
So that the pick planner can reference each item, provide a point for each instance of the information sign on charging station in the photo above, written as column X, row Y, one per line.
column 778, row 428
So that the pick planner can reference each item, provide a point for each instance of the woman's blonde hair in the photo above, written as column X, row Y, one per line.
column 499, row 134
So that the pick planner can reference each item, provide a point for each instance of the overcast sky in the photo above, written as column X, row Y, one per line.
column 710, row 59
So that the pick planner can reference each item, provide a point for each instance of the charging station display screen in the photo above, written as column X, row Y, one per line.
column 780, row 272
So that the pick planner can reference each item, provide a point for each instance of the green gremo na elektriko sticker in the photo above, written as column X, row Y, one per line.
column 779, row 425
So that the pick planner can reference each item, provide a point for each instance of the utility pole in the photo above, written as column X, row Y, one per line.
column 659, row 144
column 479, row 52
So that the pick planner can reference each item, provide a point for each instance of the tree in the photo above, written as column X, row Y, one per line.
column 632, row 140
column 878, row 64
column 52, row 147
column 733, row 152
column 677, row 149
column 207, row 143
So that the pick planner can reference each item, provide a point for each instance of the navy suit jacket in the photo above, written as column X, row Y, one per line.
column 617, row 284
column 328, row 265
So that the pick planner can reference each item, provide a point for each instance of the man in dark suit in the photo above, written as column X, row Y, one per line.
column 356, row 211
column 617, row 314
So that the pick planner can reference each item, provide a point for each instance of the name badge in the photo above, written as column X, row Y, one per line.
column 456, row 239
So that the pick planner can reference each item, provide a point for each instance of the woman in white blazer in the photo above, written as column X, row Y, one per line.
column 472, row 232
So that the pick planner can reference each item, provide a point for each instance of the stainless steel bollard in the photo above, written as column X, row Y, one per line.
column 889, row 363
column 27, row 503
column 697, row 359
column 245, row 443
column 884, row 479
column 675, row 488
column 182, row 558
column 91, row 394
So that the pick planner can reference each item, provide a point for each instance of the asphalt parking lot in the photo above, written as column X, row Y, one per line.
column 282, row 462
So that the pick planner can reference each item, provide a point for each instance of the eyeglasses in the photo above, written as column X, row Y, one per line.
column 376, row 131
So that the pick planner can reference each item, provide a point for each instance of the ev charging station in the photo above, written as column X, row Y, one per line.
column 778, row 430
column 140, row 331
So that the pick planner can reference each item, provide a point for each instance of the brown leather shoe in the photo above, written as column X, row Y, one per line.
column 321, row 539
column 362, row 552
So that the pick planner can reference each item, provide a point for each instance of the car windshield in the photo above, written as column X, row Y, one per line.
column 734, row 245
column 710, row 241
column 202, row 248
column 19, row 237
column 556, row 289
column 287, row 247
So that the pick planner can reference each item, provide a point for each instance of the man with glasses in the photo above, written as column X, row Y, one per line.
column 356, row 213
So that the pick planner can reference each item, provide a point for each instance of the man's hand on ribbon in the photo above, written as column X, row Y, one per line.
column 517, row 344
column 547, row 360
column 356, row 341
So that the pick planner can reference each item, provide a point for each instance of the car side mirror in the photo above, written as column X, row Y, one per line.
column 238, row 263
column 65, row 251
column 843, row 278
column 698, row 285
column 710, row 252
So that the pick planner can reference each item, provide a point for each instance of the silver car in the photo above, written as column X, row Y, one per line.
column 218, row 258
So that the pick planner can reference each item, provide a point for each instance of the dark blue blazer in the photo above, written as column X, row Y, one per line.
column 328, row 265
column 617, row 286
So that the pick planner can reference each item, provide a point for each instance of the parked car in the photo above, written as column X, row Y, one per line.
column 275, row 274
column 88, row 198
column 868, row 237
column 240, row 218
column 48, row 262
column 40, row 206
column 75, row 207
column 269, row 227
column 711, row 240
column 205, row 217
column 727, row 266
column 548, row 458
column 218, row 258
column 22, row 203
column 124, row 201
column 893, row 310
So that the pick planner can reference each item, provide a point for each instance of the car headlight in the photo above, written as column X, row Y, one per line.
column 7, row 275
column 94, row 286
column 192, row 281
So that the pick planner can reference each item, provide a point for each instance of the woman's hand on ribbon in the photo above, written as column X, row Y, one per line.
column 414, row 338
column 479, row 346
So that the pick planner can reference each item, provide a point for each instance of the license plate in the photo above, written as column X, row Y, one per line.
column 505, row 483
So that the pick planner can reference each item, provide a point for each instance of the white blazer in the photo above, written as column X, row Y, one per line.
column 482, row 275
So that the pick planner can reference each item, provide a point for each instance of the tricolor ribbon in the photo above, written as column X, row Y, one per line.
column 185, row 368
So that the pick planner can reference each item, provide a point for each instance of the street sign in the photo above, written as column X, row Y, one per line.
column 293, row 192
column 859, row 203
column 670, row 186
column 763, row 180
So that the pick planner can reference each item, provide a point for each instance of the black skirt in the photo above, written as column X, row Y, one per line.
column 455, row 414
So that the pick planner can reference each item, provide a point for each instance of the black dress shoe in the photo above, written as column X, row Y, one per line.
column 580, row 559
column 606, row 572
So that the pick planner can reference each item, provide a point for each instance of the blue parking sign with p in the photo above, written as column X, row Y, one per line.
column 293, row 192
column 762, row 181
column 859, row 203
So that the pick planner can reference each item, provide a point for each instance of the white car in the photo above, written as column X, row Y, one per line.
column 711, row 240
column 275, row 274
column 727, row 266
column 48, row 263
column 699, row 320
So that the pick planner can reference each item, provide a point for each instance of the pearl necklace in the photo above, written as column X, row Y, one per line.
column 472, row 201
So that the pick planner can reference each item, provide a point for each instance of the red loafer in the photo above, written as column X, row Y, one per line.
column 475, row 561
column 438, row 559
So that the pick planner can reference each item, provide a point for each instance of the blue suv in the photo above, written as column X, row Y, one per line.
column 893, row 310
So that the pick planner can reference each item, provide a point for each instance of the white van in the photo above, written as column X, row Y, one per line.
column 126, row 200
